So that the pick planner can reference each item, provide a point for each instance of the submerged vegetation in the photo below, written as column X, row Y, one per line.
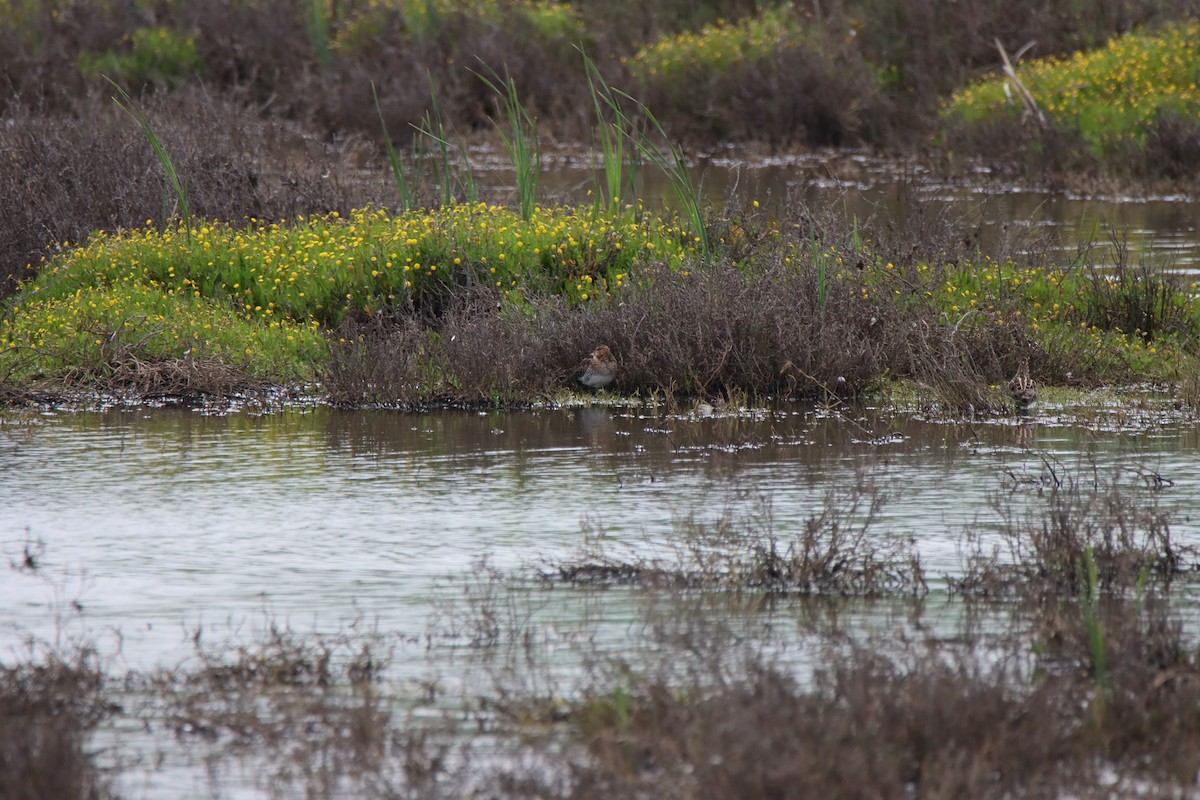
column 1089, row 688
column 836, row 552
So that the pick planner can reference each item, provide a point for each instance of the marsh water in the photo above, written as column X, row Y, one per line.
column 1161, row 230
column 140, row 528
column 148, row 526
column 157, row 520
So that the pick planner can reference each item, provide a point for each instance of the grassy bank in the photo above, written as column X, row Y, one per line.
column 472, row 303
column 309, row 88
column 1130, row 106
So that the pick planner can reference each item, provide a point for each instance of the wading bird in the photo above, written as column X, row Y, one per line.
column 1022, row 389
column 600, row 369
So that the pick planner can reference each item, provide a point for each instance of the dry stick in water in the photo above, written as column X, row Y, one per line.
column 1031, row 106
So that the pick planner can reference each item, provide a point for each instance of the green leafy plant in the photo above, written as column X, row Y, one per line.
column 520, row 140
column 159, row 57
column 130, row 107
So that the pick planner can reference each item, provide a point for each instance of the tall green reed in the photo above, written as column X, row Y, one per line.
column 405, row 189
column 671, row 160
column 130, row 107
column 821, row 264
column 613, row 135
column 318, row 30
column 1092, row 625
column 520, row 140
column 446, row 176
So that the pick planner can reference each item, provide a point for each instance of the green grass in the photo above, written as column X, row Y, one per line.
column 548, row 21
column 520, row 140
column 1110, row 95
column 159, row 57
column 85, row 332
column 676, row 59
column 264, row 295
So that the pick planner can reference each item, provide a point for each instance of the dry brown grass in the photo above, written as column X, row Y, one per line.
column 1047, row 524
column 49, row 705
column 838, row 551
column 68, row 173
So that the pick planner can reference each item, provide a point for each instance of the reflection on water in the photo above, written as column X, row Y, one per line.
column 171, row 518
column 164, row 523
column 862, row 186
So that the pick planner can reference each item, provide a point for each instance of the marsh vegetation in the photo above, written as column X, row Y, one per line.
column 170, row 257
column 1069, row 668
column 289, row 204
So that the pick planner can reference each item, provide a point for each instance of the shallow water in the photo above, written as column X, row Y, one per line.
column 159, row 520
column 1163, row 231
column 162, row 523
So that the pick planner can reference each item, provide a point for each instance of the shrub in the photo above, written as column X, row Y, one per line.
column 1110, row 95
column 157, row 57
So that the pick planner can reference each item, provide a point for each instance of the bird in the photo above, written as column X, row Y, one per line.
column 1021, row 388
column 600, row 369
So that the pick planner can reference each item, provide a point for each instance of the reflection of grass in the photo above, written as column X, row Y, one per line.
column 1110, row 95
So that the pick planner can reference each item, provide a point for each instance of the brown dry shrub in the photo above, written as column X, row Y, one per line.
column 800, row 95
column 408, row 68
column 875, row 726
column 1023, row 149
column 39, row 56
column 713, row 329
column 1049, row 524
column 963, row 359
column 64, row 175
column 838, row 550
column 1173, row 147
column 709, row 330
column 707, row 714
column 48, row 707
column 1145, row 704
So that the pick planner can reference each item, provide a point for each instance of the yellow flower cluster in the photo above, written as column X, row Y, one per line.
column 1109, row 94
column 280, row 285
